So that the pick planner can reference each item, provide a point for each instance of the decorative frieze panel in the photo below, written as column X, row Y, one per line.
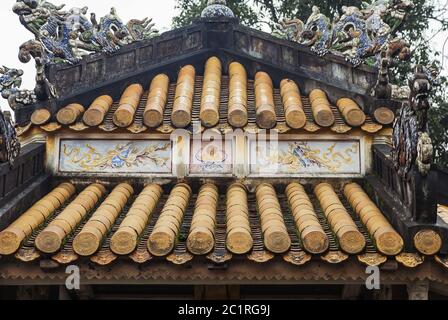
column 210, row 156
column 306, row 158
column 115, row 156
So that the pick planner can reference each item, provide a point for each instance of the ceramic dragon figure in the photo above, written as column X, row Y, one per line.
column 359, row 34
column 317, row 32
column 411, row 142
column 60, row 39
column 10, row 82
column 10, row 78
column 109, row 34
column 397, row 50
column 290, row 29
column 141, row 29
column 33, row 14
column 362, row 34
column 66, row 36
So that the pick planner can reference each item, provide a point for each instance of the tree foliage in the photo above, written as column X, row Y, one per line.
column 265, row 14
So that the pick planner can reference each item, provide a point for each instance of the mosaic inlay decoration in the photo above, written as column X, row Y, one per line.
column 115, row 156
column 305, row 157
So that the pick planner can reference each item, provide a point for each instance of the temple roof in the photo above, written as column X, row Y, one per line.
column 220, row 75
column 49, row 122
column 368, row 251
column 91, row 75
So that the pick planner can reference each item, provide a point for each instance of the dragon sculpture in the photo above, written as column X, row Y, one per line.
column 10, row 145
column 141, row 29
column 411, row 142
column 65, row 36
column 359, row 34
column 317, row 32
column 397, row 50
column 10, row 82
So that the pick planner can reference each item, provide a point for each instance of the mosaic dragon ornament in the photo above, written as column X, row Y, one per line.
column 10, row 82
column 359, row 34
column 411, row 142
column 64, row 36
column 68, row 35
column 397, row 50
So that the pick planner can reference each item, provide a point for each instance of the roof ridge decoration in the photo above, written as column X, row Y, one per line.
column 217, row 9
column 10, row 83
column 359, row 34
column 411, row 141
column 10, row 145
column 67, row 36
column 64, row 36
column 412, row 149
column 384, row 89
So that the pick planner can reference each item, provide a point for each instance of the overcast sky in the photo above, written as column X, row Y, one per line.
column 162, row 11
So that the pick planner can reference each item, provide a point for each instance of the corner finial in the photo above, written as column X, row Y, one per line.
column 217, row 9
column 10, row 144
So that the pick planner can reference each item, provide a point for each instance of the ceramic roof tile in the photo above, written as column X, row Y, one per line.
column 442, row 212
column 227, row 92
column 320, row 207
